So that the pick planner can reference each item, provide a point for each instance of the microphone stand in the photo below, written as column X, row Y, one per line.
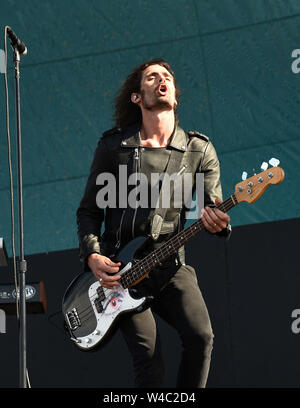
column 22, row 266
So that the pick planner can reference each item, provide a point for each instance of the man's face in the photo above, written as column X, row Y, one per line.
column 157, row 88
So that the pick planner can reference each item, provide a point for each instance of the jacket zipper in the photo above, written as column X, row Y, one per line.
column 181, row 170
column 118, row 234
column 137, row 168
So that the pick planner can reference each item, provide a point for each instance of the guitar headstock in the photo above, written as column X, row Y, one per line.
column 251, row 189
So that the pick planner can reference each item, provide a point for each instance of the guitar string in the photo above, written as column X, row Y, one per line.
column 231, row 201
column 85, row 314
column 146, row 260
column 188, row 234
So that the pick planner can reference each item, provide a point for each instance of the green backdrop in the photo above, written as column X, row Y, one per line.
column 232, row 59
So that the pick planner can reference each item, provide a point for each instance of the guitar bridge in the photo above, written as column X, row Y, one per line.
column 73, row 319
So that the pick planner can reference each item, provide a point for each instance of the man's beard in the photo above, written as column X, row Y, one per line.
column 156, row 103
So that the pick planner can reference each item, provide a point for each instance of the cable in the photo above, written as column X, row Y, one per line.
column 10, row 169
column 11, row 184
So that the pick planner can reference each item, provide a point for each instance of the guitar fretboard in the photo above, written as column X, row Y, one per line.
column 159, row 255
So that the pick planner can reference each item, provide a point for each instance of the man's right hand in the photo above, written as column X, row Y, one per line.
column 101, row 266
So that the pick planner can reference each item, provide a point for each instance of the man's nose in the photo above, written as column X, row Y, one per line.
column 161, row 78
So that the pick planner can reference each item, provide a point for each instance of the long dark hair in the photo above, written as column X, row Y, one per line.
column 127, row 112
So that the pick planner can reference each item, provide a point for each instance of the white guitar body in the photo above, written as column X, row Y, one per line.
column 90, row 310
column 117, row 301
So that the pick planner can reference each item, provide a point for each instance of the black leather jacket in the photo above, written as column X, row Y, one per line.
column 121, row 147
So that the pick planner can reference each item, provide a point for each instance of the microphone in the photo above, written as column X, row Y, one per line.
column 16, row 42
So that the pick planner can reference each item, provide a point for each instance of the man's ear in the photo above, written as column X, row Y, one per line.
column 135, row 98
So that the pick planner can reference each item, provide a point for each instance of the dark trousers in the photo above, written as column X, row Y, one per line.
column 181, row 305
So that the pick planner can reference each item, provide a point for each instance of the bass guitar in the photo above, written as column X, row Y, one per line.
column 91, row 311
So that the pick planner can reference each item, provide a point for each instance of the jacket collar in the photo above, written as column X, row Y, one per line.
column 179, row 139
column 131, row 138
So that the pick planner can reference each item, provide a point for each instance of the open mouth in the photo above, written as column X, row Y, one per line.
column 162, row 89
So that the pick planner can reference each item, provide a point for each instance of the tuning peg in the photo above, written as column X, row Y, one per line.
column 274, row 162
column 264, row 166
column 244, row 175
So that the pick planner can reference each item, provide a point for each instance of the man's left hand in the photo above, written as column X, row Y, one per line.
column 214, row 220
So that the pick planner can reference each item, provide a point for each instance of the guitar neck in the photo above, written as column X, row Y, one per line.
column 142, row 268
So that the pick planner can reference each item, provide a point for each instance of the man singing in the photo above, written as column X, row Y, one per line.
column 145, row 138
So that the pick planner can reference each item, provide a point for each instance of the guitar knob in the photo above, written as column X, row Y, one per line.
column 88, row 340
column 96, row 332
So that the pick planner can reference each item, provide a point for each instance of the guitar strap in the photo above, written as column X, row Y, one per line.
column 174, row 165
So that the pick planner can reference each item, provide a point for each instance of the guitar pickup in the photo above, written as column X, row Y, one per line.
column 98, row 305
column 73, row 319
column 100, row 293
